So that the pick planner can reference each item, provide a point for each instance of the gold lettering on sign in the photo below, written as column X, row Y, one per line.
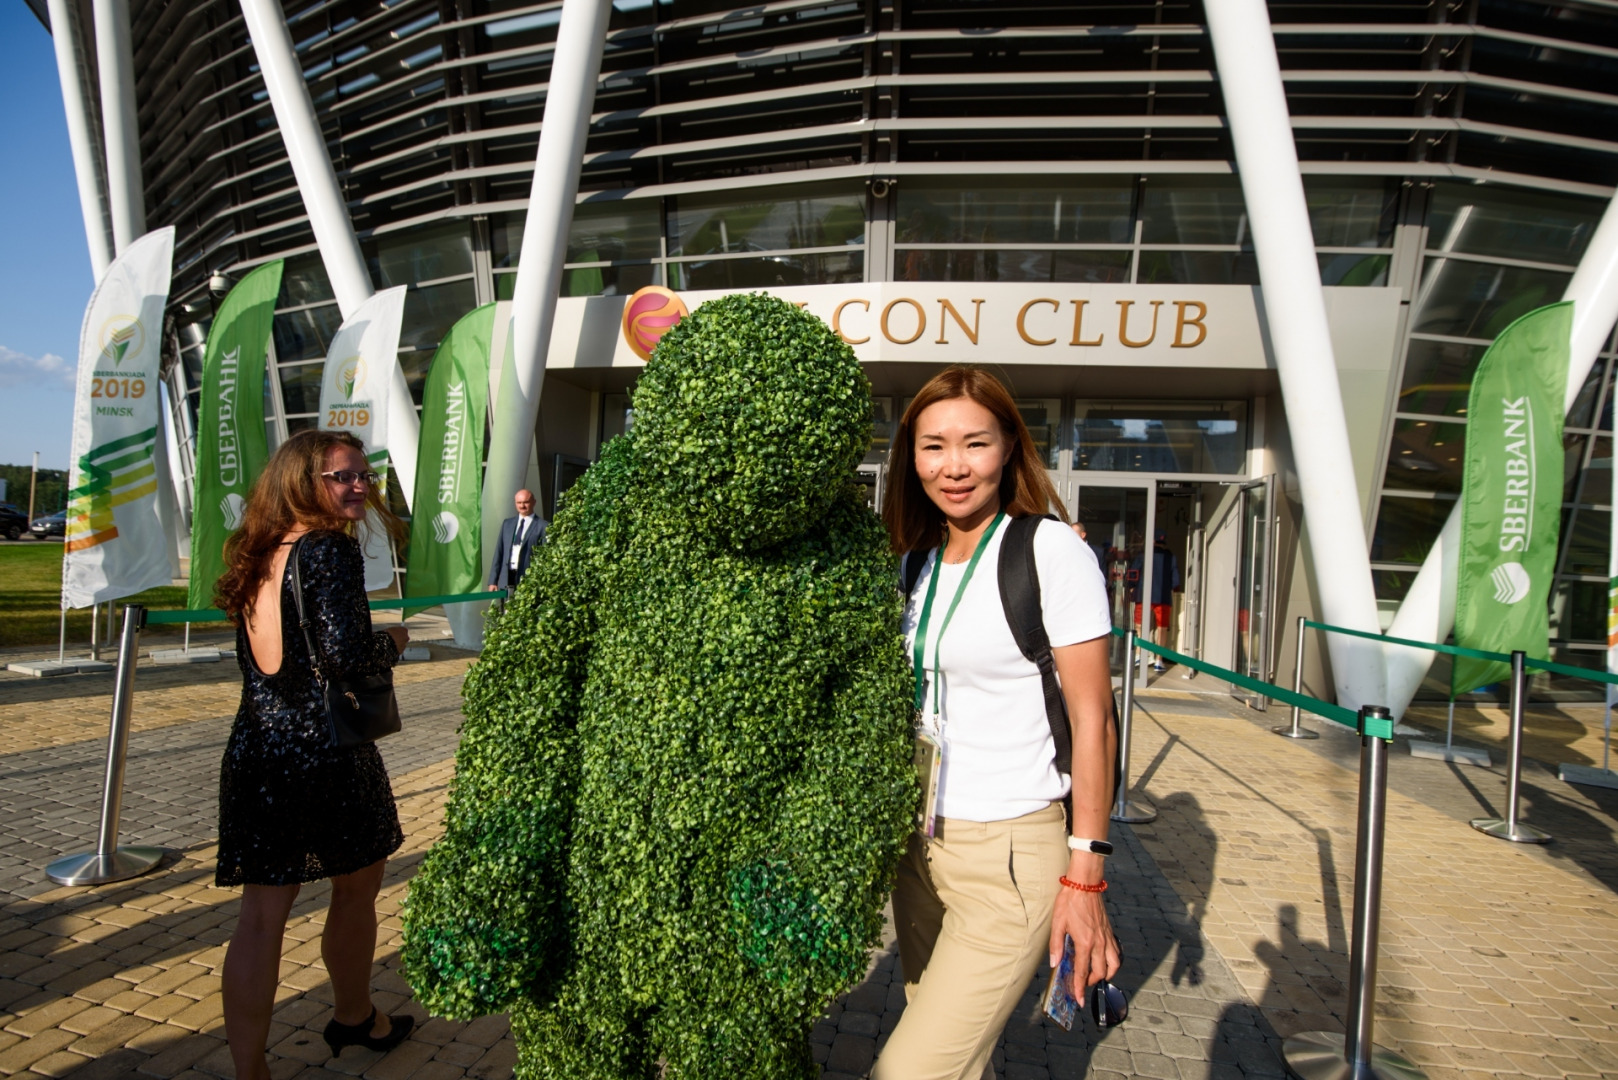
column 921, row 321
column 837, row 321
column 1078, row 326
column 1123, row 324
column 947, row 308
column 1022, row 323
column 1181, row 322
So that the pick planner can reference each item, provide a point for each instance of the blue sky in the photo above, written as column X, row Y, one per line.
column 45, row 276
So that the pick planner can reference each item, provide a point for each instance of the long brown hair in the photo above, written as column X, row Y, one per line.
column 914, row 522
column 288, row 493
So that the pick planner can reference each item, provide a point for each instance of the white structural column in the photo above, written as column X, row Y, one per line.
column 1428, row 611
column 328, row 212
column 1295, row 308
column 83, row 130
column 116, row 64
column 576, row 66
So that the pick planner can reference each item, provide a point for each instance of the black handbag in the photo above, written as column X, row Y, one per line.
column 358, row 710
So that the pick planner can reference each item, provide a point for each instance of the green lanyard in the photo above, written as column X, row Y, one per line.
column 927, row 613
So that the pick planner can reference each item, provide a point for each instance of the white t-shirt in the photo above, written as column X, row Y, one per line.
column 999, row 758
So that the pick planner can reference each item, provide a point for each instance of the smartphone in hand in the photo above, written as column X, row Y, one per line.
column 1109, row 1006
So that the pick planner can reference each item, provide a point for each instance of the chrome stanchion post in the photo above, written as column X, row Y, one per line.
column 1325, row 1055
column 1296, row 730
column 1508, row 827
column 1132, row 813
column 109, row 862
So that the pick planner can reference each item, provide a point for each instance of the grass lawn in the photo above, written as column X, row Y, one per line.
column 31, row 599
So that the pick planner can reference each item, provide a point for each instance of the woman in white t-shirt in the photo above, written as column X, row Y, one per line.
column 999, row 885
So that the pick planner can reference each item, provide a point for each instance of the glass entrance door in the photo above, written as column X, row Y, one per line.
column 1255, row 586
column 1118, row 523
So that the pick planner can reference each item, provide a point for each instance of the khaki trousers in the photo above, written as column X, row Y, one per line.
column 973, row 914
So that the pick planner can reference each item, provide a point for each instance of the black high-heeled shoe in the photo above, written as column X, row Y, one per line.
column 338, row 1035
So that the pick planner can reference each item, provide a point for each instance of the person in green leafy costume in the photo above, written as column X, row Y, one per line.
column 685, row 779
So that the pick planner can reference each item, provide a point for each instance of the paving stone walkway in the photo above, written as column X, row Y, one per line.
column 1497, row 960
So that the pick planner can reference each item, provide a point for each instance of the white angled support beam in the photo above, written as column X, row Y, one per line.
column 306, row 150
column 1428, row 611
column 328, row 211
column 1295, row 308
column 83, row 130
column 116, row 64
column 580, row 40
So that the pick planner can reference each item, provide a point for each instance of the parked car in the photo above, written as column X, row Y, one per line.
column 49, row 525
column 13, row 522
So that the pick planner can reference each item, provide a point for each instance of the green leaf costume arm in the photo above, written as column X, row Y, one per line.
column 486, row 918
column 809, row 913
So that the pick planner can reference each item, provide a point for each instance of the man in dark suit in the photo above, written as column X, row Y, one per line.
column 518, row 537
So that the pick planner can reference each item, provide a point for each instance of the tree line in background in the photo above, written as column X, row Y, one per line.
column 50, row 494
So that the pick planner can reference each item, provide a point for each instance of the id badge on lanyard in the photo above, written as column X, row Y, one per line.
column 929, row 722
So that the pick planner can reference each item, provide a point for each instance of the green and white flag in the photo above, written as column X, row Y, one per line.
column 357, row 391
column 1511, row 498
column 446, row 527
column 231, row 446
column 116, row 544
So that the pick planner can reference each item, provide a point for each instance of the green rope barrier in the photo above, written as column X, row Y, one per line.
column 1324, row 709
column 196, row 615
column 1590, row 674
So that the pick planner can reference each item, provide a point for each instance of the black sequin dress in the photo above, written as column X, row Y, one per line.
column 291, row 808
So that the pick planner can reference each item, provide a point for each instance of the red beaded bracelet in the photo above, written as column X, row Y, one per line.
column 1100, row 886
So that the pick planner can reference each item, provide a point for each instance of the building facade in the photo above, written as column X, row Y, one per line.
column 1045, row 187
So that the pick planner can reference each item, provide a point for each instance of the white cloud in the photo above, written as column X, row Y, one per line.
column 47, row 372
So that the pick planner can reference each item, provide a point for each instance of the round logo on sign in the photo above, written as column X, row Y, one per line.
column 121, row 336
column 651, row 313
column 1511, row 582
column 446, row 527
column 350, row 373
column 231, row 508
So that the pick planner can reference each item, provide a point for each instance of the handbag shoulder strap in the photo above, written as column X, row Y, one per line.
column 1025, row 614
column 303, row 618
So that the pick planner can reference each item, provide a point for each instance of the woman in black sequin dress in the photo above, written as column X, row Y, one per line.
column 291, row 808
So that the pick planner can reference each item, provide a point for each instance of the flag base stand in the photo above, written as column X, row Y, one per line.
column 1584, row 774
column 44, row 669
column 1464, row 755
column 1515, row 831
column 93, row 868
column 189, row 656
column 416, row 652
column 1321, row 1055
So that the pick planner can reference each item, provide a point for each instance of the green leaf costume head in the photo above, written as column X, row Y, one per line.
column 684, row 778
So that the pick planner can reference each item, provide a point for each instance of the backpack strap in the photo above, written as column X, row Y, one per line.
column 1019, row 596
column 910, row 567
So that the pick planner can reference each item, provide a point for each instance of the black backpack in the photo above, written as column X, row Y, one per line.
column 1019, row 596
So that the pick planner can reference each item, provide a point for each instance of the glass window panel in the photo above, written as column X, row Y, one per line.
column 415, row 365
column 430, row 312
column 1584, row 404
column 884, row 423
column 296, row 424
column 1588, row 538
column 933, row 264
column 304, row 281
column 601, row 232
column 1486, row 219
column 1194, row 437
column 300, row 387
column 1406, row 528
column 1351, row 212
column 305, row 335
column 1579, row 611
column 766, row 220
column 423, row 254
column 1346, row 269
column 1572, row 461
column 505, row 286
column 769, row 272
column 1476, row 300
column 1197, row 268
column 1598, row 475
column 1426, row 456
column 1044, row 419
column 1438, row 377
column 1099, row 211
column 617, row 418
column 604, row 280
column 1392, row 585
column 1193, row 210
